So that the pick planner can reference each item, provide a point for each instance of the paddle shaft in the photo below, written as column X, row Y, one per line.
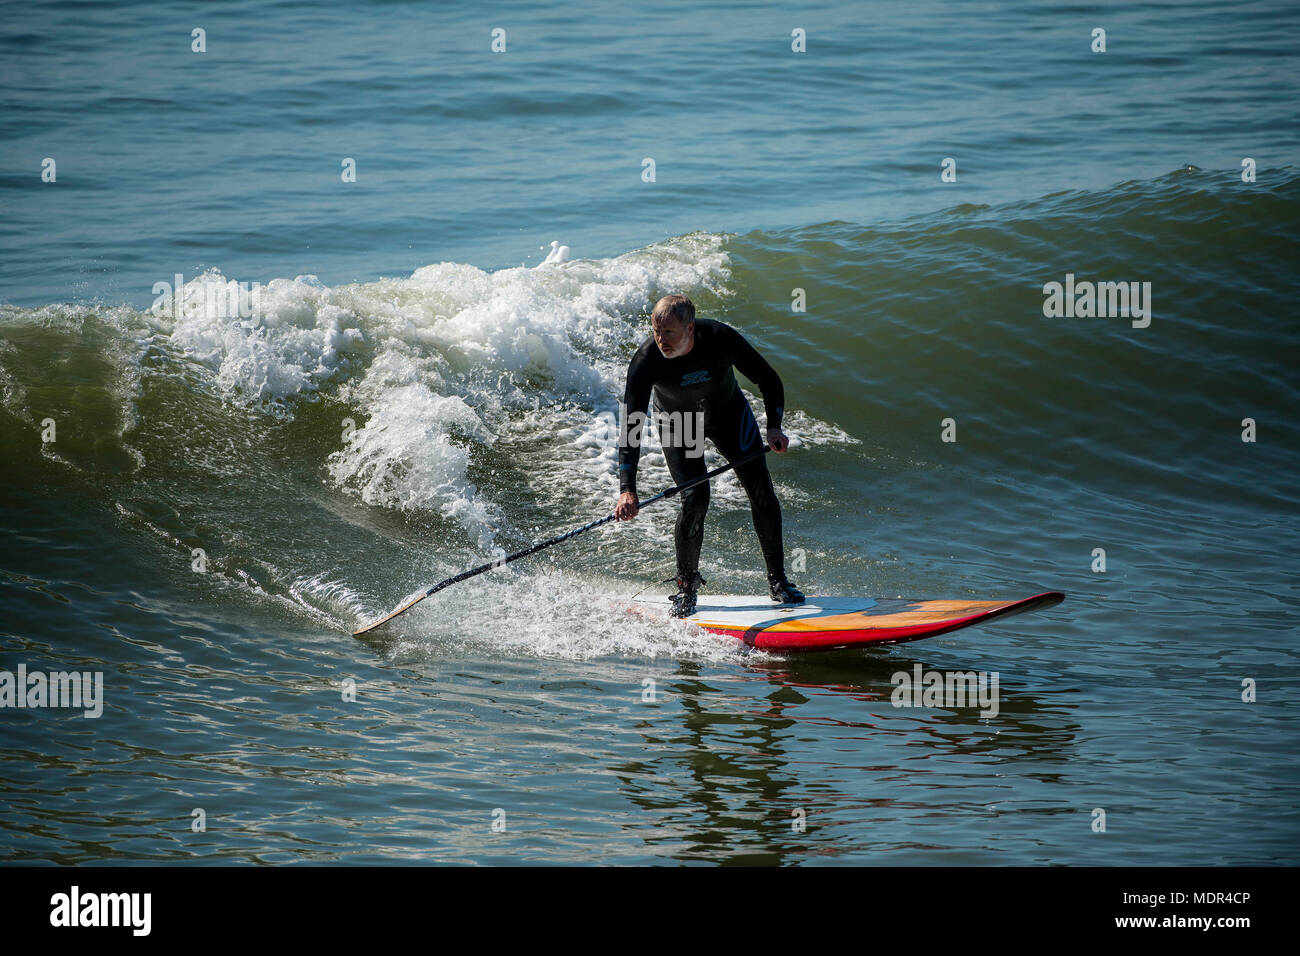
column 499, row 562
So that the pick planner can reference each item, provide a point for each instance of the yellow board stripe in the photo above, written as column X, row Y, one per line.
column 928, row 612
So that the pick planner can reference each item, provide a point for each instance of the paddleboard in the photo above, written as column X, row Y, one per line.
column 832, row 623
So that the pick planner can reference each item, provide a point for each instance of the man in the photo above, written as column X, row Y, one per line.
column 688, row 365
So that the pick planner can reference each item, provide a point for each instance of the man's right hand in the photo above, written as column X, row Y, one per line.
column 628, row 506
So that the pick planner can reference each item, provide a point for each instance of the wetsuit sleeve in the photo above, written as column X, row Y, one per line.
column 636, row 400
column 755, row 368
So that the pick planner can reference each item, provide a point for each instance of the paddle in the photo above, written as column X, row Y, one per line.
column 546, row 544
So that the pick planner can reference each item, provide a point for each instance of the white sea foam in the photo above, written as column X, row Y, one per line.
column 295, row 340
column 550, row 615
column 454, row 361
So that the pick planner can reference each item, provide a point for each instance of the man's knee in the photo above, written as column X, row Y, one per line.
column 758, row 485
column 695, row 505
column 692, row 523
column 696, row 501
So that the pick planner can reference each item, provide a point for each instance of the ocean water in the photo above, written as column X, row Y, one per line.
column 408, row 390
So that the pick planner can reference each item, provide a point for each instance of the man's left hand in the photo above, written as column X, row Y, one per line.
column 776, row 439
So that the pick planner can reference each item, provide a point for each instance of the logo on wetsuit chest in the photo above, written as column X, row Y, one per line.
column 695, row 378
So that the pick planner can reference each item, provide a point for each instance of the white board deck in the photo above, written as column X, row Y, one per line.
column 743, row 611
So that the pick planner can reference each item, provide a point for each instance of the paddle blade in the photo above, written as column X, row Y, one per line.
column 388, row 617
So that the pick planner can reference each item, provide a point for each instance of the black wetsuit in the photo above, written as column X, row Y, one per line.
column 702, row 381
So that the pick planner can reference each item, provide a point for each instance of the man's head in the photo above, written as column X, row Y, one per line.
column 673, row 323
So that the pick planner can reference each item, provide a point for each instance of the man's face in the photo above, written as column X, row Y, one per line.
column 673, row 338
